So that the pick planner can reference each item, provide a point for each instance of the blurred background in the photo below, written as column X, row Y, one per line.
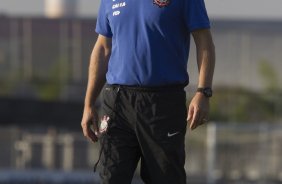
column 44, row 54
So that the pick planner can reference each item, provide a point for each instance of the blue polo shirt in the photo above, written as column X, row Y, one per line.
column 150, row 39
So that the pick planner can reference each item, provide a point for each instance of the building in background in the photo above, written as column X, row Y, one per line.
column 61, row 8
column 41, row 57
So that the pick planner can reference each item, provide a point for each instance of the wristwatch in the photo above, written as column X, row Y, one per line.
column 206, row 91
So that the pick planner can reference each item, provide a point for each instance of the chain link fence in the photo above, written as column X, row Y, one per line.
column 217, row 153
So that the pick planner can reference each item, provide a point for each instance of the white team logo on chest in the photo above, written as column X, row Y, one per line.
column 116, row 7
column 161, row 3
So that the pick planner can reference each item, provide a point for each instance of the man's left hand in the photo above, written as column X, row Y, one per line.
column 198, row 111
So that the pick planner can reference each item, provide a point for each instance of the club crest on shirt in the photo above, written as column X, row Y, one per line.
column 104, row 124
column 161, row 3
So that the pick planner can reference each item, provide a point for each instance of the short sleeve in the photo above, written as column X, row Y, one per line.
column 102, row 24
column 196, row 16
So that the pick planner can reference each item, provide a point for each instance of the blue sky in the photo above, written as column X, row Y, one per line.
column 223, row 9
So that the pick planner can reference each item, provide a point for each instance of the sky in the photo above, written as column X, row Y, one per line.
column 217, row 9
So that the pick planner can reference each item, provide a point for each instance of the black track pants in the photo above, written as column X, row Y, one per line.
column 147, row 124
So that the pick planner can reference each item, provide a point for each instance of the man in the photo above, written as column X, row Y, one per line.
column 141, row 53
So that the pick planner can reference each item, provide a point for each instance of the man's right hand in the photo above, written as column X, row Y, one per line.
column 89, row 124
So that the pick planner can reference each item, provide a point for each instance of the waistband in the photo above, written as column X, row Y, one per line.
column 173, row 87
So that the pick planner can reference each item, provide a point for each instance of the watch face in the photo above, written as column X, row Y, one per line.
column 207, row 92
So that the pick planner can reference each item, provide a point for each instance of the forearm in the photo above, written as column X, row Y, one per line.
column 206, row 63
column 205, row 59
column 97, row 73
